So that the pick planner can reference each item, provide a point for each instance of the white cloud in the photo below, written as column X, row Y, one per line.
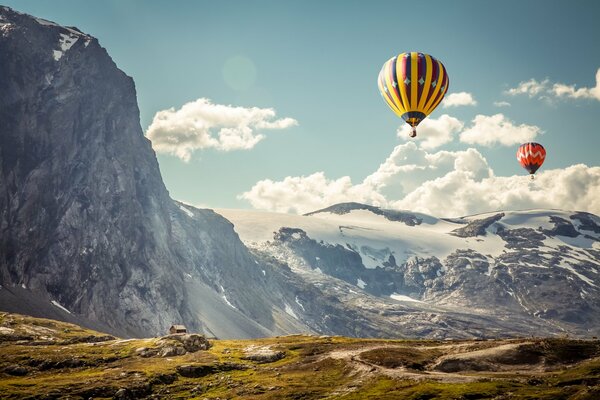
column 432, row 133
column 562, row 90
column 201, row 124
column 497, row 129
column 407, row 168
column 531, row 88
column 544, row 89
column 302, row 194
column 459, row 99
column 442, row 184
column 456, row 193
column 502, row 104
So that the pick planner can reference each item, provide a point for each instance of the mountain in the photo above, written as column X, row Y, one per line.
column 88, row 232
column 90, row 235
column 532, row 272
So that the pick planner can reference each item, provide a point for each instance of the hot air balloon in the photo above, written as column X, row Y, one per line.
column 531, row 156
column 412, row 85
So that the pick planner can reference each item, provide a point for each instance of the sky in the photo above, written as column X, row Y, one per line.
column 274, row 104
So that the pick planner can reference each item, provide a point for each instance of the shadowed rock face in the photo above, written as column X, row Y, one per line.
column 85, row 218
column 409, row 219
column 477, row 227
column 84, row 212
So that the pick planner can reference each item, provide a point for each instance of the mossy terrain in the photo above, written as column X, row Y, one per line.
column 44, row 359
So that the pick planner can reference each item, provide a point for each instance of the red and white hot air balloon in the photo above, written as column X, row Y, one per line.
column 531, row 156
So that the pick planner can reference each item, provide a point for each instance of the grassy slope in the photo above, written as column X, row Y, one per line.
column 56, row 365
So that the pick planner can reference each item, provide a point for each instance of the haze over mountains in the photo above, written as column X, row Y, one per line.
column 89, row 234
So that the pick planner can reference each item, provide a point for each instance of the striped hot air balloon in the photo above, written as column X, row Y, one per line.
column 412, row 85
column 531, row 156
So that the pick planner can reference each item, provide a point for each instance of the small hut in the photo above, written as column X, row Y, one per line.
column 177, row 329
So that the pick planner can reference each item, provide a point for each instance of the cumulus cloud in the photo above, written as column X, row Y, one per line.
column 302, row 194
column 408, row 167
column 201, row 124
column 502, row 104
column 433, row 132
column 456, row 193
column 459, row 99
column 443, row 183
column 545, row 89
column 531, row 88
column 497, row 129
column 562, row 90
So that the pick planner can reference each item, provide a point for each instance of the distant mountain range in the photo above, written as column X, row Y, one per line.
column 527, row 272
column 89, row 234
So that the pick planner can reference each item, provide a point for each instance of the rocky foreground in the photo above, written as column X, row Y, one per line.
column 46, row 359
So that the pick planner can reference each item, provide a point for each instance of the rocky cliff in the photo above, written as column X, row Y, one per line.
column 86, row 224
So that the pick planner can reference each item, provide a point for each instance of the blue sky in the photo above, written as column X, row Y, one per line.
column 317, row 62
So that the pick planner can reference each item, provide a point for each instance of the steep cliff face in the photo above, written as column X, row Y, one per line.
column 85, row 219
column 84, row 212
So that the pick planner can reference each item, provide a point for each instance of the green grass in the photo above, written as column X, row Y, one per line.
column 563, row 369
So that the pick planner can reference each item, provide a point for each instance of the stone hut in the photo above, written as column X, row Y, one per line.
column 177, row 329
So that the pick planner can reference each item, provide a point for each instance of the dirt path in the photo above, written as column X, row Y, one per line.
column 366, row 369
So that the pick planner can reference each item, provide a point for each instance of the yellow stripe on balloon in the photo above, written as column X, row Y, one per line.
column 425, row 91
column 414, row 77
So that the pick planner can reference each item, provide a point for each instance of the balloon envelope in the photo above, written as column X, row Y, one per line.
column 531, row 156
column 412, row 85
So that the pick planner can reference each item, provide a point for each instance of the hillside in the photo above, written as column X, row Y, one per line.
column 49, row 359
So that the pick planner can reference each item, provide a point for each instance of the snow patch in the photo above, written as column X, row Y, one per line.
column 23, row 286
column 290, row 311
column 300, row 304
column 42, row 21
column 227, row 301
column 360, row 283
column 65, row 42
column 186, row 211
column 264, row 272
column 57, row 54
column 401, row 297
column 225, row 298
column 567, row 266
column 57, row 304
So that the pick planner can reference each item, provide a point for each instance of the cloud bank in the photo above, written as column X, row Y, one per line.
column 435, row 131
column 200, row 124
column 497, row 129
column 546, row 89
column 459, row 99
column 443, row 183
